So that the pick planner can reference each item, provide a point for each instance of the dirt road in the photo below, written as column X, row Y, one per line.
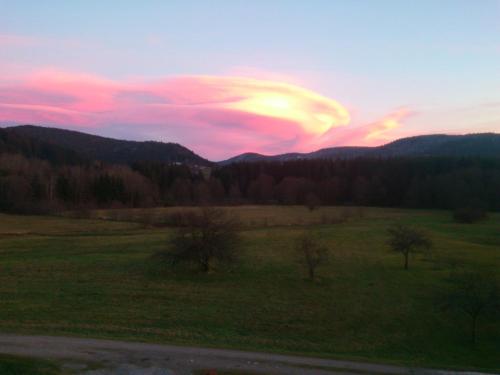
column 106, row 357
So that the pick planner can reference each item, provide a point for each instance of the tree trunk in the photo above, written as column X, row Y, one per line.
column 311, row 273
column 205, row 265
column 406, row 261
column 473, row 332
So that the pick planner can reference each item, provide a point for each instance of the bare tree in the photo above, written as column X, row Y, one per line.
column 208, row 236
column 312, row 254
column 312, row 201
column 406, row 240
column 474, row 295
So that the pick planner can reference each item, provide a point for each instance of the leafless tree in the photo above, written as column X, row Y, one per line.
column 311, row 253
column 407, row 240
column 474, row 295
column 209, row 236
column 312, row 201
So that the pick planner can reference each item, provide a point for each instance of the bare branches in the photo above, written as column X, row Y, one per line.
column 406, row 240
column 474, row 295
column 209, row 236
column 312, row 253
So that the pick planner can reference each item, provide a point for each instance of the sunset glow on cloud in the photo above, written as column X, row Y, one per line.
column 315, row 113
column 378, row 130
column 216, row 116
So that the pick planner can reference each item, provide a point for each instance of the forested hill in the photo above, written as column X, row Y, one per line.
column 15, row 143
column 483, row 145
column 52, row 170
column 437, row 145
column 36, row 141
column 108, row 149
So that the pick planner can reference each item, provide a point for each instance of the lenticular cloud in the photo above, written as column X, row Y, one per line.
column 213, row 115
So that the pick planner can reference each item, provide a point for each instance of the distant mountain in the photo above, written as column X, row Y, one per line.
column 325, row 153
column 481, row 145
column 108, row 149
column 67, row 146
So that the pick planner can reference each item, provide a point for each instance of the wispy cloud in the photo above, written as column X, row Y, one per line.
column 377, row 131
column 215, row 115
column 370, row 134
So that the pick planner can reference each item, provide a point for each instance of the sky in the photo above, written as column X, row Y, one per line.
column 270, row 76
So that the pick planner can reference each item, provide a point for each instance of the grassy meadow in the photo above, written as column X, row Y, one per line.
column 13, row 365
column 96, row 277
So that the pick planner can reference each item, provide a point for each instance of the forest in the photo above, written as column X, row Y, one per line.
column 47, row 182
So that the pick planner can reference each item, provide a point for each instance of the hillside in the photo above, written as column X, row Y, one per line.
column 441, row 145
column 345, row 175
column 484, row 145
column 17, row 143
column 54, row 144
column 108, row 149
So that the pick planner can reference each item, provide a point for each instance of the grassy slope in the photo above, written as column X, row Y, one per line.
column 96, row 278
column 11, row 365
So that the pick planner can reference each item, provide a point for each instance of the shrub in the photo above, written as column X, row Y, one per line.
column 469, row 215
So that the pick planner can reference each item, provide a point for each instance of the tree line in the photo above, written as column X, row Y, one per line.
column 34, row 184
column 444, row 183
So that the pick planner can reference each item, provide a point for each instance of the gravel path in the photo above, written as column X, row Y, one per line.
column 106, row 357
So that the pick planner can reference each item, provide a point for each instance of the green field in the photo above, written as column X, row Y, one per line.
column 12, row 365
column 94, row 277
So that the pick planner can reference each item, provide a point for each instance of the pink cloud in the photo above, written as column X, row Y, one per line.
column 216, row 116
column 377, row 131
column 371, row 134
